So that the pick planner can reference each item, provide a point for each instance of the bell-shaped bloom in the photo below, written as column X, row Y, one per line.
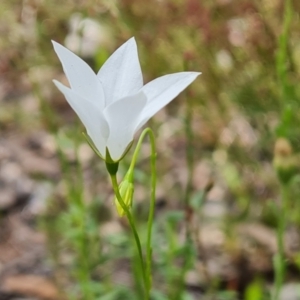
column 114, row 103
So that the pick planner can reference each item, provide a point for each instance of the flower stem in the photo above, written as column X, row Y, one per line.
column 133, row 228
column 148, row 131
column 152, row 207
column 146, row 269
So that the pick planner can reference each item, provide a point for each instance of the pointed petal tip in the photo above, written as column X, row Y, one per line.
column 60, row 86
column 55, row 44
column 195, row 73
column 185, row 73
column 131, row 41
column 56, row 82
column 121, row 74
column 58, row 47
column 61, row 50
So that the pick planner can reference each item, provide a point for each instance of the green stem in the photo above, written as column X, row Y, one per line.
column 133, row 228
column 146, row 270
column 282, row 52
column 84, row 277
column 149, row 132
column 152, row 207
column 189, row 152
column 279, row 259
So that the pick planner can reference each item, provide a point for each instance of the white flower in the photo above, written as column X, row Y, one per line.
column 114, row 104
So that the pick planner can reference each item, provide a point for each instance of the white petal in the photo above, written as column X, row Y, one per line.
column 163, row 90
column 121, row 74
column 81, row 77
column 90, row 115
column 122, row 117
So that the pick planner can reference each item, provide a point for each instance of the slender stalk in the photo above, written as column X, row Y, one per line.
column 198, row 240
column 146, row 269
column 149, row 132
column 282, row 59
column 279, row 259
column 189, row 152
column 84, row 277
column 152, row 207
column 282, row 56
column 134, row 231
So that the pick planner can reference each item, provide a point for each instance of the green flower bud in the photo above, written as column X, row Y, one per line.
column 126, row 190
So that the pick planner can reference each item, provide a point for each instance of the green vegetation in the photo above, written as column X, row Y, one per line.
column 227, row 216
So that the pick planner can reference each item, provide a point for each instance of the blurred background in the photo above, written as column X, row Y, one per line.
column 228, row 152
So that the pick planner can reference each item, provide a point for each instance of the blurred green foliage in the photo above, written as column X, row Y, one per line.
column 247, row 97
